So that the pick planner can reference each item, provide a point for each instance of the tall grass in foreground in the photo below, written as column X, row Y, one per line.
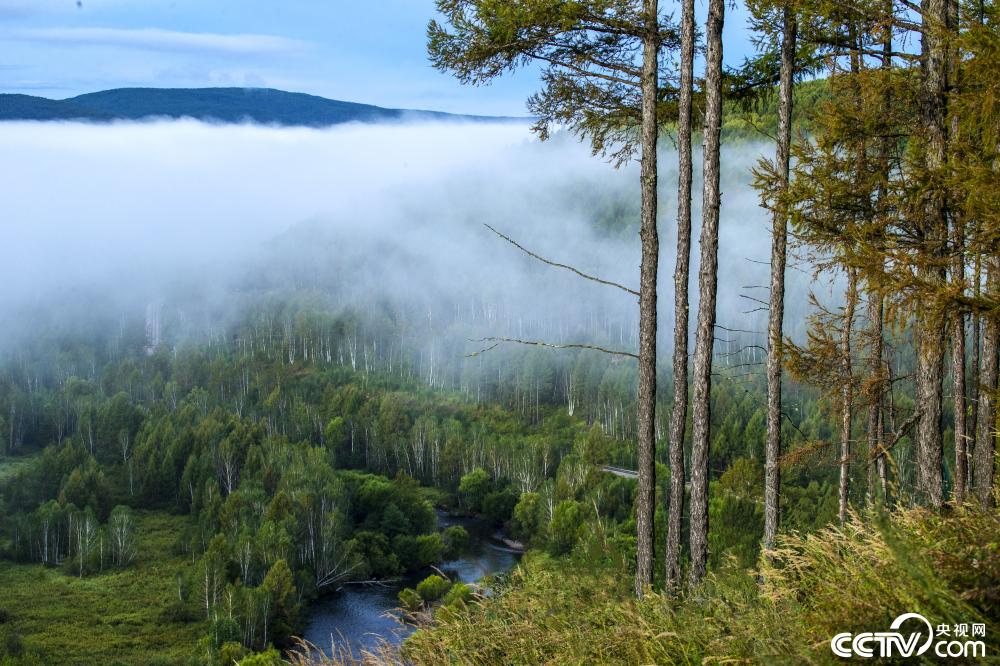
column 858, row 577
column 308, row 654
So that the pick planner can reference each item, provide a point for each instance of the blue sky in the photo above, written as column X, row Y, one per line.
column 371, row 51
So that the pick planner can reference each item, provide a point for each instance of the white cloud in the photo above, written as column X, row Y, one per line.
column 156, row 39
column 398, row 211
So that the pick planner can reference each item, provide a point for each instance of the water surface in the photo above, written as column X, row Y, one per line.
column 358, row 617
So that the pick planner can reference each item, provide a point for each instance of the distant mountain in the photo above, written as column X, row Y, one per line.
column 26, row 107
column 227, row 105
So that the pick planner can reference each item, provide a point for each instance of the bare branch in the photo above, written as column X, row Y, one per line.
column 558, row 265
column 739, row 351
column 537, row 343
column 903, row 429
column 755, row 300
column 737, row 330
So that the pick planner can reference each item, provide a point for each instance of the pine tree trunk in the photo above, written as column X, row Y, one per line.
column 972, row 425
column 930, row 322
column 707, row 287
column 958, row 278
column 646, row 421
column 776, row 306
column 876, row 436
column 987, row 420
column 846, row 392
column 876, row 312
column 682, row 271
column 958, row 376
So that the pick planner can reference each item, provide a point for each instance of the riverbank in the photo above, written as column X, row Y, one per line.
column 360, row 618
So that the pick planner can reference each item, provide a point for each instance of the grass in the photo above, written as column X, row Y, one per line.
column 110, row 618
column 853, row 578
column 11, row 465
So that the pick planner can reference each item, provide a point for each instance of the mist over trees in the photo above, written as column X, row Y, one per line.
column 239, row 394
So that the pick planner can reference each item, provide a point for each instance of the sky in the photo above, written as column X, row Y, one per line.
column 372, row 52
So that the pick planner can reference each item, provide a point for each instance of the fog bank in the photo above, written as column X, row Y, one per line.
column 116, row 216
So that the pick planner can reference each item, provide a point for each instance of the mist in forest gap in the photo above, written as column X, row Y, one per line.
column 102, row 220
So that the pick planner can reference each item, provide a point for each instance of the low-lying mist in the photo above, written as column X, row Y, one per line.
column 102, row 220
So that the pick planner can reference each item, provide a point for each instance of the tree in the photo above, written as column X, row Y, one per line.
column 591, row 84
column 211, row 574
column 875, row 394
column 84, row 529
column 930, row 315
column 846, row 391
column 474, row 487
column 646, row 425
column 283, row 606
column 707, row 288
column 973, row 145
column 986, row 436
column 682, row 276
column 775, row 189
column 121, row 532
column 567, row 523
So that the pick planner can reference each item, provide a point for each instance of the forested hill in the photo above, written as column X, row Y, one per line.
column 278, row 107
column 230, row 105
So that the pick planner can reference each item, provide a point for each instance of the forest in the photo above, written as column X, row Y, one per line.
column 756, row 465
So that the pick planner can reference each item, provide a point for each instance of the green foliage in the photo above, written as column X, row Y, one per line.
column 393, row 521
column 418, row 552
column 267, row 658
column 473, row 489
column 120, row 612
column 595, row 448
column 455, row 541
column 266, row 512
column 231, row 653
column 410, row 599
column 373, row 550
column 859, row 578
column 567, row 523
column 458, row 595
column 527, row 517
column 757, row 119
column 498, row 506
column 179, row 612
column 279, row 585
column 433, row 588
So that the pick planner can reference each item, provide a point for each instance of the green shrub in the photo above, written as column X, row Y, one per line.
column 499, row 506
column 231, row 653
column 270, row 657
column 455, row 540
column 473, row 488
column 430, row 548
column 433, row 587
column 567, row 522
column 526, row 522
column 13, row 645
column 178, row 612
column 459, row 594
column 410, row 599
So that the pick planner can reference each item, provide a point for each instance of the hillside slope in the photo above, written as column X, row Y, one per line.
column 227, row 105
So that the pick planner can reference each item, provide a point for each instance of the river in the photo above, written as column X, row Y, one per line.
column 357, row 616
